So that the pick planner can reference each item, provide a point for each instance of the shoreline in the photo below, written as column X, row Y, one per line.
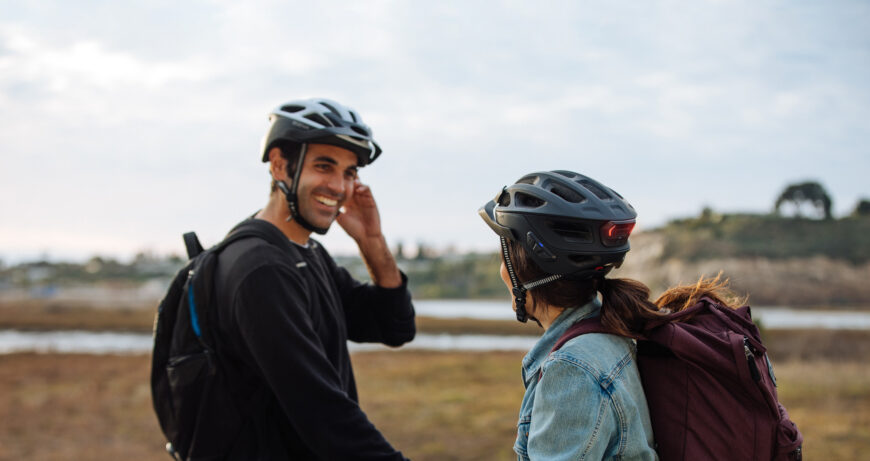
column 840, row 345
column 42, row 315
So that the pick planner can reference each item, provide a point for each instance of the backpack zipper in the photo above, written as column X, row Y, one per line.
column 750, row 360
column 798, row 453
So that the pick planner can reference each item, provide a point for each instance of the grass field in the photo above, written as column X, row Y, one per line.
column 431, row 405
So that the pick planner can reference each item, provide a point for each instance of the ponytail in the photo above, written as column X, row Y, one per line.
column 625, row 306
column 684, row 296
column 626, row 309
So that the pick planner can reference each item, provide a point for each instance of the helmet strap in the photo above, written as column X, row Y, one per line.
column 519, row 290
column 543, row 281
column 290, row 193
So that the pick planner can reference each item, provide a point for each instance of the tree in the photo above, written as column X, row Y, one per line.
column 862, row 208
column 400, row 251
column 808, row 192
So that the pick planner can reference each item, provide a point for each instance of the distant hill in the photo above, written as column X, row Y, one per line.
column 776, row 260
column 765, row 236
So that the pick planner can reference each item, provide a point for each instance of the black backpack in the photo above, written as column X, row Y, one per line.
column 190, row 393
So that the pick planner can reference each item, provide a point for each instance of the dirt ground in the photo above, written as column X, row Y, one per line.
column 431, row 405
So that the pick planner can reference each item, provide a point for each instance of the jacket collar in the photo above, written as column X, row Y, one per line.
column 538, row 353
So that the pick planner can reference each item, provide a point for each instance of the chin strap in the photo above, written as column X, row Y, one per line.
column 519, row 290
column 293, row 199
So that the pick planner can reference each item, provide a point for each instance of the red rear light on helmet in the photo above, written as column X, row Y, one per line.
column 615, row 233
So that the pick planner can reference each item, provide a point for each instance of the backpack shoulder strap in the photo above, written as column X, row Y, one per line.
column 588, row 325
column 260, row 229
column 194, row 247
column 197, row 288
column 191, row 243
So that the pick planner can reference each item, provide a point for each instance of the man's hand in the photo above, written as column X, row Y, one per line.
column 362, row 222
column 360, row 218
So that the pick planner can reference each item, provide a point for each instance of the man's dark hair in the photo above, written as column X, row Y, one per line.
column 290, row 152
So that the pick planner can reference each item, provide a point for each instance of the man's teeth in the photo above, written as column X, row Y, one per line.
column 326, row 201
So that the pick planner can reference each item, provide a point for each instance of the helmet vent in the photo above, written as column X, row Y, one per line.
column 504, row 199
column 528, row 201
column 567, row 194
column 582, row 260
column 528, row 180
column 292, row 108
column 317, row 118
column 572, row 232
column 329, row 106
column 359, row 130
column 595, row 189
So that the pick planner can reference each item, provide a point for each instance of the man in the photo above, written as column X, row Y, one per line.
column 285, row 312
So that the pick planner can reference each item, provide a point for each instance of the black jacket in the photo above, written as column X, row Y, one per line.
column 285, row 313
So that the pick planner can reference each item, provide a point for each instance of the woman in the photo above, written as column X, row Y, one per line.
column 561, row 233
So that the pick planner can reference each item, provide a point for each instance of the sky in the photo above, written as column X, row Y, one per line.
column 125, row 124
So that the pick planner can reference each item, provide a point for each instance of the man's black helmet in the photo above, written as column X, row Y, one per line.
column 570, row 224
column 321, row 121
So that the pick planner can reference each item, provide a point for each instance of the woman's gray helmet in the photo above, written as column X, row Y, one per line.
column 320, row 121
column 571, row 226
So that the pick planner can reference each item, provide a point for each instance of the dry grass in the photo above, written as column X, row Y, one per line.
column 830, row 402
column 431, row 405
column 443, row 406
column 49, row 315
column 477, row 327
column 818, row 345
column 63, row 407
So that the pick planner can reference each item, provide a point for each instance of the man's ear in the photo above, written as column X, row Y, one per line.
column 277, row 165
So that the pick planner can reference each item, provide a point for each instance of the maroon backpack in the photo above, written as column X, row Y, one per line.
column 710, row 387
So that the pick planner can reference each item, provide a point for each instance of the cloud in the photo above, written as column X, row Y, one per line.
column 111, row 111
column 85, row 63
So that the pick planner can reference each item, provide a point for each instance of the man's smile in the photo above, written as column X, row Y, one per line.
column 326, row 200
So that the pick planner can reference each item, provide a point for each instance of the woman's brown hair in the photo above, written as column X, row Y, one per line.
column 625, row 305
column 685, row 296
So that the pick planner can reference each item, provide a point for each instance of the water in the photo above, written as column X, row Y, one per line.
column 84, row 342
column 137, row 343
column 771, row 317
column 69, row 342
column 785, row 318
column 464, row 308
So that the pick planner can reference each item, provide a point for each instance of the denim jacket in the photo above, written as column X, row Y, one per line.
column 584, row 401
